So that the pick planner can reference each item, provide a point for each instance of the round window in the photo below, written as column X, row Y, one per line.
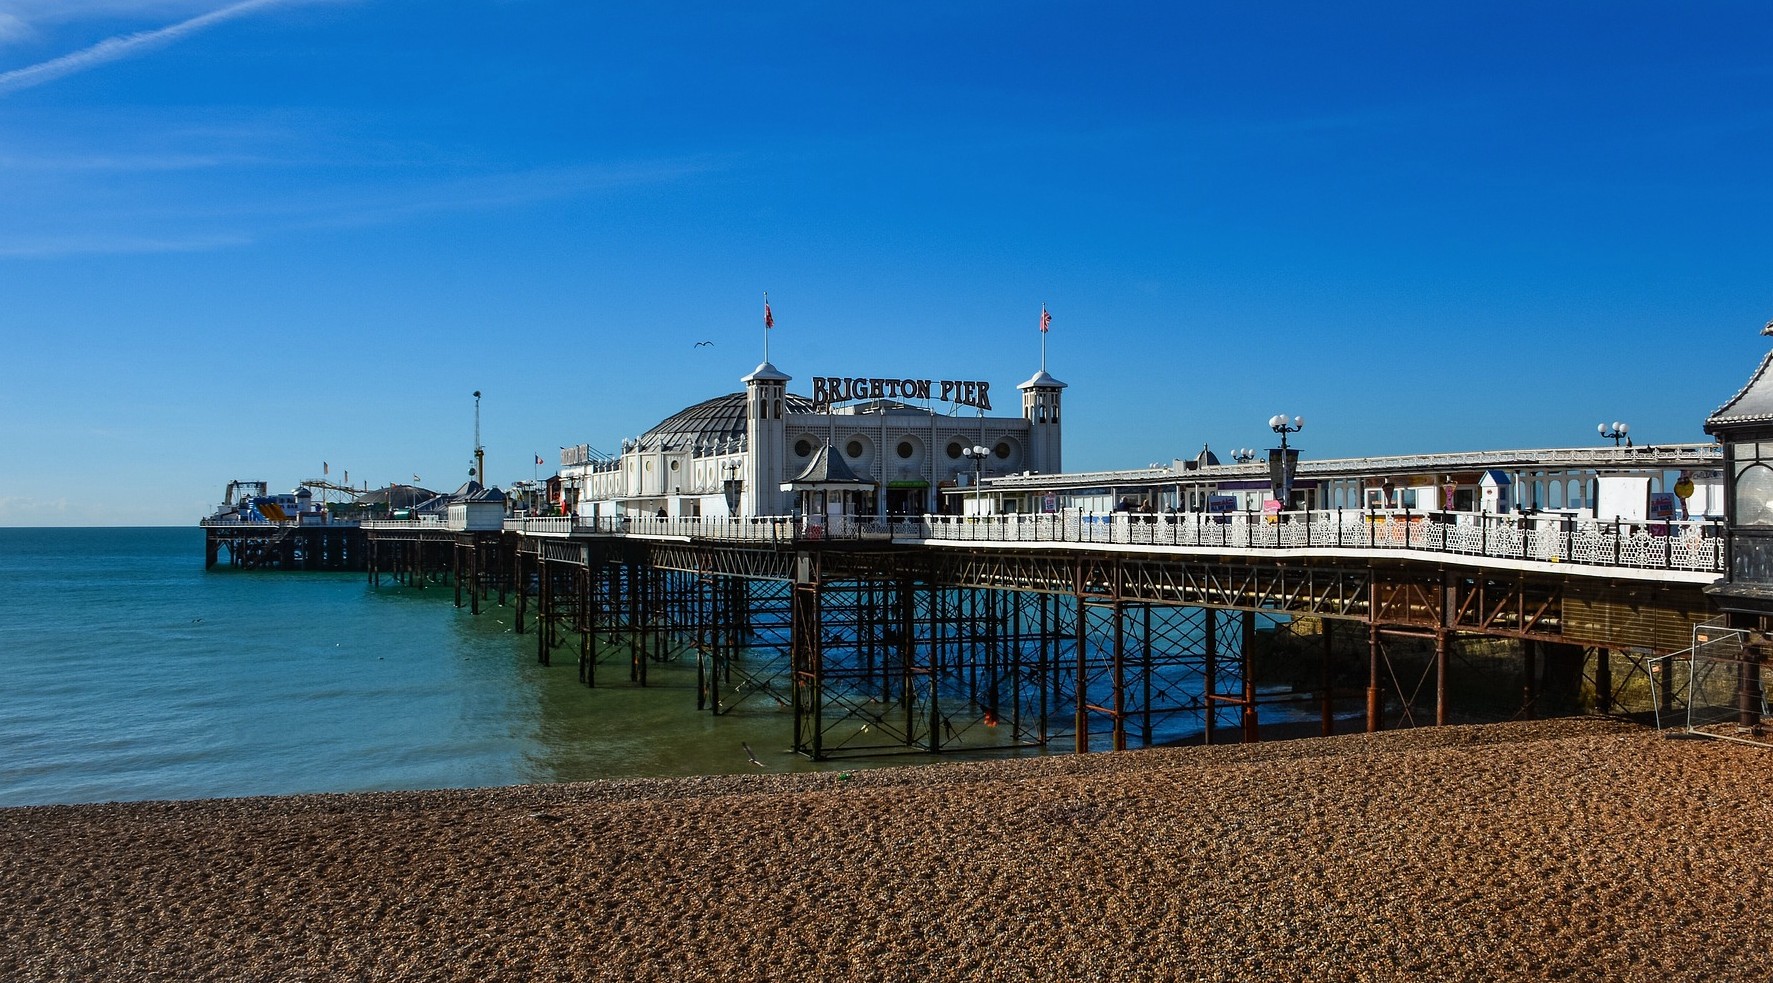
column 906, row 449
column 954, row 451
column 674, row 465
column 803, row 447
column 1002, row 451
column 853, row 449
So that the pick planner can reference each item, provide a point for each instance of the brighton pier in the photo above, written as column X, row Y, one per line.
column 892, row 578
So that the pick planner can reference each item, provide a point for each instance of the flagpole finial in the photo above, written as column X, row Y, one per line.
column 1046, row 321
column 769, row 321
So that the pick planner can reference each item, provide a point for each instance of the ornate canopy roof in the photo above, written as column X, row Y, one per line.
column 710, row 425
column 1752, row 405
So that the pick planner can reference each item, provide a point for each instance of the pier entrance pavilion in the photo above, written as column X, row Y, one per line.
column 905, row 440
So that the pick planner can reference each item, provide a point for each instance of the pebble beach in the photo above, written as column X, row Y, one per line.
column 1567, row 849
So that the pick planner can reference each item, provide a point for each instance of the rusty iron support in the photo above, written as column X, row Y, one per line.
column 1530, row 678
column 1603, row 680
column 1440, row 679
column 1375, row 720
column 1210, row 675
column 1247, row 662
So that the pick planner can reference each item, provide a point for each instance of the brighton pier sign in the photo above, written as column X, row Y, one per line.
column 831, row 390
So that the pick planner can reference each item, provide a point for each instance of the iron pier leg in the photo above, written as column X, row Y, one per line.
column 544, row 624
column 587, row 654
column 1252, row 726
column 1374, row 720
column 1440, row 679
column 1748, row 690
column 1603, row 680
column 1530, row 684
column 1083, row 678
column 474, row 578
column 1327, row 630
column 1145, row 662
column 1120, row 676
column 1210, row 673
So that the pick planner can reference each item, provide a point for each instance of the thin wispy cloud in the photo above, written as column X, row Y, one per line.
column 12, row 28
column 107, row 244
column 129, row 45
column 214, row 225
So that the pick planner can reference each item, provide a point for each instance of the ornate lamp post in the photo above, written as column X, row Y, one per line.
column 1283, row 460
column 1617, row 431
column 977, row 454
column 731, row 487
column 1243, row 455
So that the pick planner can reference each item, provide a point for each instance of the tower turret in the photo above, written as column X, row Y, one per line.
column 766, row 435
column 1040, row 407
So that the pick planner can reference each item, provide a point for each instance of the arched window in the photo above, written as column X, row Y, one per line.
column 1754, row 495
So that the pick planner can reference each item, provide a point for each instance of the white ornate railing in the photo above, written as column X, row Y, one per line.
column 1695, row 547
column 239, row 522
column 1687, row 546
column 754, row 529
column 422, row 522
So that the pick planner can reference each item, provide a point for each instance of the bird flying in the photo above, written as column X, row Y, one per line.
column 747, row 746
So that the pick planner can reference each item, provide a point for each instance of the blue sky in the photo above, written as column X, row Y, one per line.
column 243, row 238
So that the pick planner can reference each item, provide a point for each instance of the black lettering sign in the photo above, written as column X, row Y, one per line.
column 828, row 391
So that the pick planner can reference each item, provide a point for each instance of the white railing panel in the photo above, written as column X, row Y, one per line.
column 1689, row 546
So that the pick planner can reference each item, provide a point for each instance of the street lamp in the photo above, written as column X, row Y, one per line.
column 732, row 486
column 1243, row 455
column 977, row 454
column 1278, row 423
column 1618, row 432
column 1281, row 460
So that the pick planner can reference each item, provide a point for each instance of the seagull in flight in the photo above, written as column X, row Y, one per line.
column 748, row 753
column 704, row 344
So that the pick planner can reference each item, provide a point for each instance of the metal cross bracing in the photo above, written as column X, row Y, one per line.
column 1159, row 672
column 941, row 648
column 413, row 558
column 1299, row 589
column 285, row 547
column 900, row 664
column 480, row 563
column 921, row 663
column 740, row 636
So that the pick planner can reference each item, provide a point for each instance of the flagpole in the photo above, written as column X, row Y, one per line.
column 1044, row 319
column 766, row 326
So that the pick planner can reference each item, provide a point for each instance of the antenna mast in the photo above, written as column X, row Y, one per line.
column 479, row 471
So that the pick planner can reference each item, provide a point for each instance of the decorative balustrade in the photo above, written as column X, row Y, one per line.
column 259, row 522
column 1686, row 546
column 765, row 529
column 422, row 522
column 1695, row 547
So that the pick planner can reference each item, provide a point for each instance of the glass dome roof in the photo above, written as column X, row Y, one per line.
column 710, row 426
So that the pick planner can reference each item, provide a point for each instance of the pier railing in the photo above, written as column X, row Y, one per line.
column 754, row 529
column 1694, row 546
column 259, row 522
column 1685, row 546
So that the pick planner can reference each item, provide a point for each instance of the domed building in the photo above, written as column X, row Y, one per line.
column 896, row 442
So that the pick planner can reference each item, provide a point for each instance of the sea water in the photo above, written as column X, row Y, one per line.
column 128, row 671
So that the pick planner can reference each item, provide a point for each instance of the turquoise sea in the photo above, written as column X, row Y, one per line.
column 130, row 672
